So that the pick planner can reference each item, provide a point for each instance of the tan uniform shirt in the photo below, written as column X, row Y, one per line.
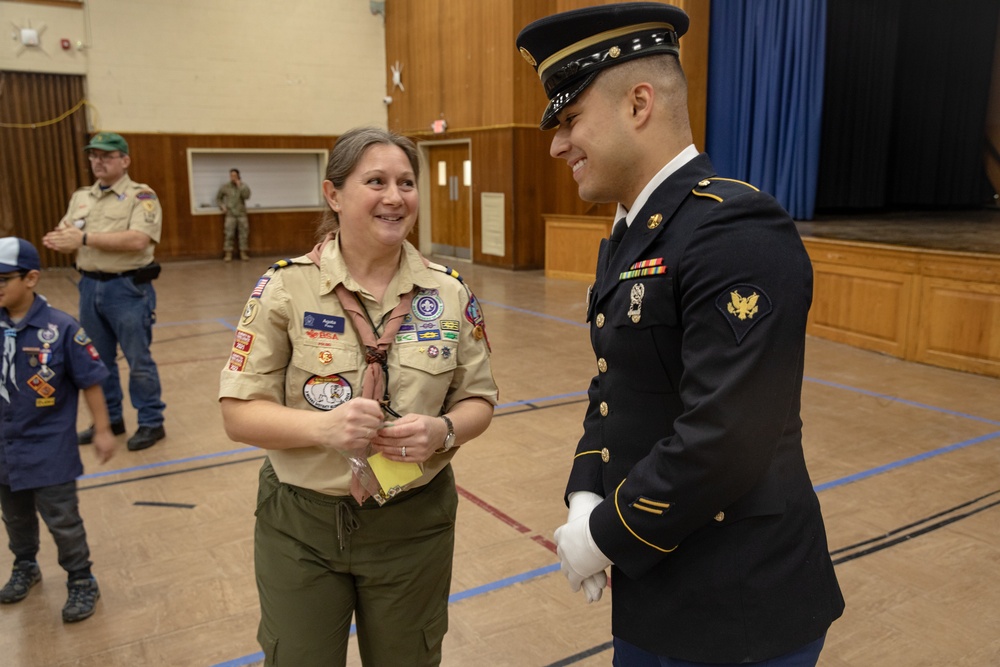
column 296, row 346
column 125, row 205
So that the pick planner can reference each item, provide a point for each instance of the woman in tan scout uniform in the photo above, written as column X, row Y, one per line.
column 360, row 343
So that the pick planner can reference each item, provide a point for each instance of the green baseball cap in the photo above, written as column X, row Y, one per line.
column 108, row 141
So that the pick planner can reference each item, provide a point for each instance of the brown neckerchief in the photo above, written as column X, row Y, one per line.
column 376, row 351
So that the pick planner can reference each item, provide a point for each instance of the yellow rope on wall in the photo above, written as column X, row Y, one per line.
column 58, row 119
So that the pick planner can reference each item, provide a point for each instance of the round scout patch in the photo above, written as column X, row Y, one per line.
column 326, row 392
column 250, row 311
column 49, row 335
column 427, row 305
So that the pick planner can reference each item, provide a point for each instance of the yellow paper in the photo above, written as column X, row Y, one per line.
column 393, row 474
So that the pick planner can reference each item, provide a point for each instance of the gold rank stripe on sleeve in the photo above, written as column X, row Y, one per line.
column 651, row 506
column 629, row 528
column 593, row 451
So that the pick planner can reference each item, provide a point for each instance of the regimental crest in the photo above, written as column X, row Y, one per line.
column 743, row 306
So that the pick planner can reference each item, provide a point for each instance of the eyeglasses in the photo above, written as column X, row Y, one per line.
column 103, row 157
column 6, row 279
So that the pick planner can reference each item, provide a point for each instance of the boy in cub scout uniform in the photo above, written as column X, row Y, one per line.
column 689, row 480
column 113, row 226
column 47, row 360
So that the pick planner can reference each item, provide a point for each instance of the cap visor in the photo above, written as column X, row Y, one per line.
column 557, row 103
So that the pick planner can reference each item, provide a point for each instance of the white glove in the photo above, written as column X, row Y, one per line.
column 593, row 586
column 582, row 503
column 579, row 556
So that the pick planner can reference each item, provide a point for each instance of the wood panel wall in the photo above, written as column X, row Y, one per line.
column 160, row 160
column 459, row 64
column 934, row 307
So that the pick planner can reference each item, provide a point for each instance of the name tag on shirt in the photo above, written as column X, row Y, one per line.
column 323, row 322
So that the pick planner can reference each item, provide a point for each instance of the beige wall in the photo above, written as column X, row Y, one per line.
column 308, row 67
column 53, row 24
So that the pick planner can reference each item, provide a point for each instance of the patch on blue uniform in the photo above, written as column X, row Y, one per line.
column 743, row 306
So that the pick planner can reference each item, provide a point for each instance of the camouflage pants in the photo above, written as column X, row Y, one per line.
column 232, row 224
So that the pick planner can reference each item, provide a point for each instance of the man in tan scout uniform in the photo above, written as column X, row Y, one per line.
column 113, row 227
column 232, row 199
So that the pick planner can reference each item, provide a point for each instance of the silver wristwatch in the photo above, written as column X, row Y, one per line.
column 449, row 440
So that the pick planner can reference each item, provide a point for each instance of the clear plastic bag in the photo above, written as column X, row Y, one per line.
column 365, row 476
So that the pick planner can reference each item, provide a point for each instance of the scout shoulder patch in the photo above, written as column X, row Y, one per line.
column 743, row 306
column 146, row 195
column 720, row 189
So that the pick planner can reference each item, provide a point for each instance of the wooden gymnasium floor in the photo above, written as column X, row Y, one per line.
column 905, row 457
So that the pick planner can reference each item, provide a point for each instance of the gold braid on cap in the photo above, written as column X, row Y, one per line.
column 660, row 34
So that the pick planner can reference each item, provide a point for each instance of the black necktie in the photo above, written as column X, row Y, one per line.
column 617, row 234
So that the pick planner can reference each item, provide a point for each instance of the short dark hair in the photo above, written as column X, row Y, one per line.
column 236, row 170
column 347, row 153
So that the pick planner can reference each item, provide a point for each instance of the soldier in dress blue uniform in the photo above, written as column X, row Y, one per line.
column 689, row 480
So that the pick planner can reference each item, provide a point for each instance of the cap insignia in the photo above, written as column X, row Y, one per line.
column 614, row 52
column 527, row 56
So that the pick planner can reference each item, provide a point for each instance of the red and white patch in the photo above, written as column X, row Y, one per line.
column 237, row 361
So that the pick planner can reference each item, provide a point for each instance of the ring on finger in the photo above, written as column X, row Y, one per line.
column 403, row 451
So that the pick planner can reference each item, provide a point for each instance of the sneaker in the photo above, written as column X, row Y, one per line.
column 24, row 575
column 86, row 436
column 146, row 436
column 83, row 595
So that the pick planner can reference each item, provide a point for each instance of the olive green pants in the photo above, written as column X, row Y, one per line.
column 319, row 559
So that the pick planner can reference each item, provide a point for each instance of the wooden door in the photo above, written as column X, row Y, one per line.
column 451, row 207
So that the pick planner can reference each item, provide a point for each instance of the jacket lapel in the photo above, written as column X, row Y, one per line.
column 649, row 224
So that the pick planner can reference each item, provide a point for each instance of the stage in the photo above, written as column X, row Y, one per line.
column 922, row 286
column 956, row 231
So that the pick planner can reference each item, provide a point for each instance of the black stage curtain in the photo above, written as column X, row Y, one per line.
column 904, row 113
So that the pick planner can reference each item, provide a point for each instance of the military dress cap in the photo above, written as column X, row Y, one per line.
column 18, row 255
column 569, row 50
column 108, row 141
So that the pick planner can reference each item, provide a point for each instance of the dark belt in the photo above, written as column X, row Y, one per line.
column 102, row 276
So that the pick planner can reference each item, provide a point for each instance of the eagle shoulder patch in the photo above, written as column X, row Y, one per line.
column 743, row 306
